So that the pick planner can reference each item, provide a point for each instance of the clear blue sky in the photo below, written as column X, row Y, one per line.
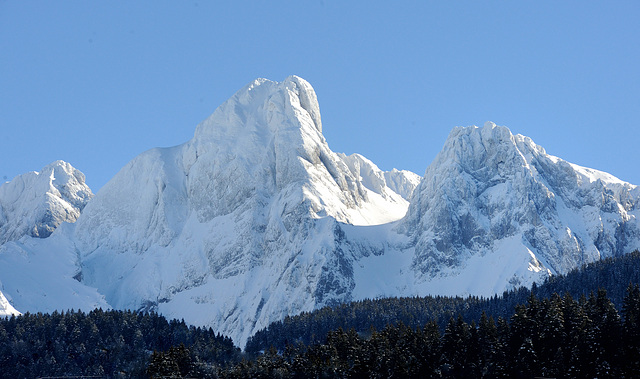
column 96, row 83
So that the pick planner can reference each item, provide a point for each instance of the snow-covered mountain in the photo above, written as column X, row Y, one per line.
column 36, row 203
column 494, row 210
column 236, row 225
column 233, row 229
column 255, row 218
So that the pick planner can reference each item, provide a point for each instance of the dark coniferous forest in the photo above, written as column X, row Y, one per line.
column 584, row 324
column 553, row 337
column 113, row 344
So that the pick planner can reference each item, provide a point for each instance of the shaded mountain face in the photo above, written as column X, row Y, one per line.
column 255, row 218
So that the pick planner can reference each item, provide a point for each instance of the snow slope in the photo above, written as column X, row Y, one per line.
column 255, row 218
column 43, row 275
column 6, row 309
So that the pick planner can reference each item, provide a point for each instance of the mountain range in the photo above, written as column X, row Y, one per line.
column 256, row 218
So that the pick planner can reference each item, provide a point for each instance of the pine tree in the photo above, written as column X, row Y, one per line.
column 523, row 332
column 455, row 348
column 488, row 345
column 578, row 342
column 607, row 328
column 428, row 350
column 550, row 334
column 631, row 311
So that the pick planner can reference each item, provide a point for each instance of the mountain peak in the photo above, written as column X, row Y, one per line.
column 36, row 203
column 252, row 203
column 306, row 98
column 488, row 185
column 489, row 132
column 267, row 106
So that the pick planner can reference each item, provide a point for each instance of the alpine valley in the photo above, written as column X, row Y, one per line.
column 255, row 218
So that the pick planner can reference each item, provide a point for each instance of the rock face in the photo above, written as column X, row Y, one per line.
column 255, row 218
column 35, row 204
